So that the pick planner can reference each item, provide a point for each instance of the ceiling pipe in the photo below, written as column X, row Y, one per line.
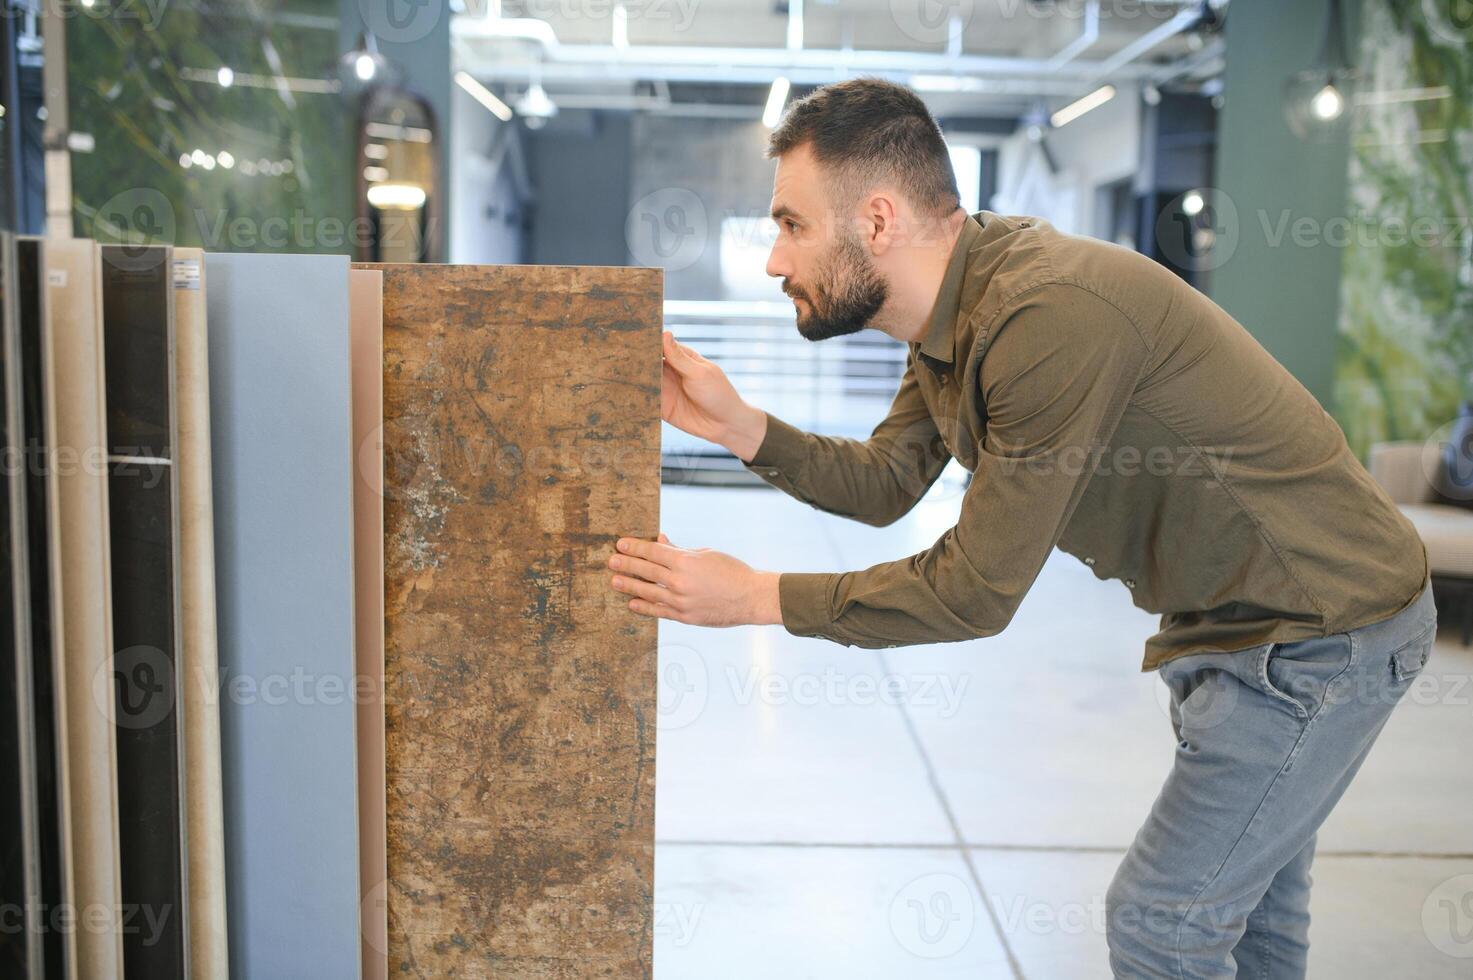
column 663, row 58
column 509, row 29
column 954, row 37
column 1208, row 61
column 1152, row 38
column 795, row 25
column 1060, row 74
column 1084, row 41
column 657, row 101
column 552, row 72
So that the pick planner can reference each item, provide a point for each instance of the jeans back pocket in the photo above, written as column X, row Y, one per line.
column 1407, row 662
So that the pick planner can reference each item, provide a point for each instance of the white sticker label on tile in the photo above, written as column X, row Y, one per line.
column 56, row 277
column 186, row 274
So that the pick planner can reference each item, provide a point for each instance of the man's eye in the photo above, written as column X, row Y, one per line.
column 790, row 225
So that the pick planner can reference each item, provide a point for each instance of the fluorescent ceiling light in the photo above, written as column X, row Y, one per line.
column 1079, row 107
column 937, row 83
column 397, row 197
column 775, row 101
column 483, row 95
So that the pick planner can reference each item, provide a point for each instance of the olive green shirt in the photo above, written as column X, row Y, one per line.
column 1105, row 407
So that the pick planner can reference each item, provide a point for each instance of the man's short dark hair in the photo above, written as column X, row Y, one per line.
column 868, row 131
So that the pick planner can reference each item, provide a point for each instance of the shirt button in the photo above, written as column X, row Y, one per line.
column 1130, row 583
column 1090, row 562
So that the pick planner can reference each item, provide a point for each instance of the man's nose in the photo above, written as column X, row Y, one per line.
column 777, row 263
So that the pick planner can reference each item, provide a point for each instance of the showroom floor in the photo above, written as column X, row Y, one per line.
column 826, row 811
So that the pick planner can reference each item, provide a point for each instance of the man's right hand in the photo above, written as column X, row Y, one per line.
column 697, row 397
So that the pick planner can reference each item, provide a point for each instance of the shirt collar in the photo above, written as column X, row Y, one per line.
column 939, row 343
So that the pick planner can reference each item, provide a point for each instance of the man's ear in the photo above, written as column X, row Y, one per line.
column 882, row 230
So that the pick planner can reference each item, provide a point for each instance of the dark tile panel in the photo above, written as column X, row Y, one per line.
column 137, row 353
column 140, row 505
column 18, row 861
column 36, row 440
column 136, row 298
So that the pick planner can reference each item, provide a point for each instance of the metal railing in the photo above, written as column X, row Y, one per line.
column 842, row 386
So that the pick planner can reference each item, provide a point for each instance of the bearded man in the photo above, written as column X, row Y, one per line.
column 1108, row 409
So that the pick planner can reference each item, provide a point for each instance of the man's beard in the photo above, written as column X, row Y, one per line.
column 847, row 294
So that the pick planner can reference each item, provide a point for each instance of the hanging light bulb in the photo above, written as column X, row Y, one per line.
column 1327, row 103
column 365, row 65
column 1316, row 98
column 536, row 103
column 535, row 106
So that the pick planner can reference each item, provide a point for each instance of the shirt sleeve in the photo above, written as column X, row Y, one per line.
column 876, row 481
column 1061, row 368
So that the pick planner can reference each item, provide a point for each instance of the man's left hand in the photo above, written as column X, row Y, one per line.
column 697, row 586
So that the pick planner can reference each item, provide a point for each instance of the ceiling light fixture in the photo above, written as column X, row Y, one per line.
column 483, row 95
column 1079, row 107
column 365, row 64
column 776, row 99
column 1316, row 99
column 535, row 105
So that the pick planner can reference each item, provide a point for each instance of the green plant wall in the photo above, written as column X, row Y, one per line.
column 141, row 85
column 1405, row 350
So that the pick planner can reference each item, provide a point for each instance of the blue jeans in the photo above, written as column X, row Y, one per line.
column 1216, row 883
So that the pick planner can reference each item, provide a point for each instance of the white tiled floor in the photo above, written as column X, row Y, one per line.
column 958, row 810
